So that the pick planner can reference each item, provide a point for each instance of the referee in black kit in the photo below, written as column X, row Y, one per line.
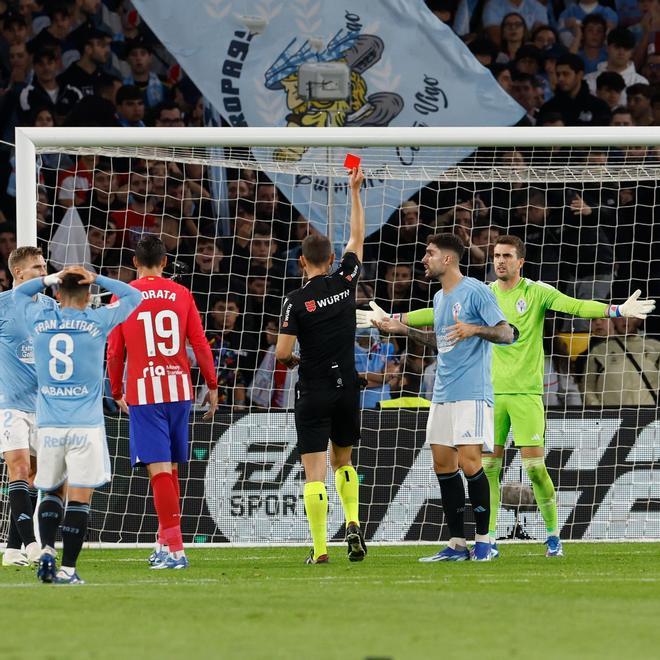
column 321, row 316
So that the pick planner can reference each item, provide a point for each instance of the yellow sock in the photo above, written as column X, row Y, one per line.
column 348, row 485
column 316, row 508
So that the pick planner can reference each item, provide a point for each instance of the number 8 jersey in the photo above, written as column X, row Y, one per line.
column 154, row 341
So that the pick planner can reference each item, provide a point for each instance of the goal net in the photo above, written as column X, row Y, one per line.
column 233, row 209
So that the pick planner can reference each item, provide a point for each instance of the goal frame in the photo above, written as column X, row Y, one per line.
column 28, row 140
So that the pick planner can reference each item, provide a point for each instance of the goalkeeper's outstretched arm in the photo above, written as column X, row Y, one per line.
column 356, row 239
column 592, row 309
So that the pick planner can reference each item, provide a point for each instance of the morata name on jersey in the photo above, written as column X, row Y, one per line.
column 153, row 294
column 68, row 324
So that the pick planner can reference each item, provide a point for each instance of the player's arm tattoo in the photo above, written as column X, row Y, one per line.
column 424, row 337
column 502, row 333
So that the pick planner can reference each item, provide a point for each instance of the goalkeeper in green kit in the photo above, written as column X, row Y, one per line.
column 517, row 373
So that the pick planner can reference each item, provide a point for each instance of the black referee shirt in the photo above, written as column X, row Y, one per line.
column 321, row 314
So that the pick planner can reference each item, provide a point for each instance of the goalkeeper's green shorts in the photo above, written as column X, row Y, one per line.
column 524, row 414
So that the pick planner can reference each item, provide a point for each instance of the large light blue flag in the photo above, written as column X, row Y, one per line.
column 251, row 60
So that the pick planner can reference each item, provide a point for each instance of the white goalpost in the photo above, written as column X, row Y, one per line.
column 232, row 206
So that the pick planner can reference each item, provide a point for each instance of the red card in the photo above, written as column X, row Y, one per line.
column 351, row 161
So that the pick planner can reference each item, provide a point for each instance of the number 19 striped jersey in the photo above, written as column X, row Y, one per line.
column 153, row 340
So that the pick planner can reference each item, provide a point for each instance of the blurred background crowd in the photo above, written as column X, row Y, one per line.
column 96, row 63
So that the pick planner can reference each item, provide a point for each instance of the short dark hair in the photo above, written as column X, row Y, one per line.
column 611, row 80
column 316, row 249
column 573, row 61
column 446, row 241
column 621, row 37
column 594, row 18
column 639, row 88
column 483, row 46
column 71, row 288
column 20, row 254
column 621, row 110
column 129, row 93
column 149, row 251
column 509, row 239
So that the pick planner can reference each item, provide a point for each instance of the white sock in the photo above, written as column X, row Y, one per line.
column 68, row 570
column 482, row 538
column 178, row 554
column 455, row 542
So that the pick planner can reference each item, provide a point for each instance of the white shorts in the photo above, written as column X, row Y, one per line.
column 18, row 430
column 77, row 455
column 461, row 423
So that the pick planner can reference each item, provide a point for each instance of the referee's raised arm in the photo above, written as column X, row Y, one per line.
column 356, row 240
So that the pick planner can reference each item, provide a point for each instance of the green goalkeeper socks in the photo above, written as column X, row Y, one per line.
column 544, row 492
column 348, row 485
column 492, row 467
column 316, row 508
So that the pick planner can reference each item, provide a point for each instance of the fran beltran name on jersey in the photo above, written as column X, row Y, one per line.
column 68, row 324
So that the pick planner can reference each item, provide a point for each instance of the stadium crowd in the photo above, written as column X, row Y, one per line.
column 96, row 63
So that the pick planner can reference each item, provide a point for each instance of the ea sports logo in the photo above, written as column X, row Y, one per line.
column 254, row 482
column 310, row 305
column 521, row 306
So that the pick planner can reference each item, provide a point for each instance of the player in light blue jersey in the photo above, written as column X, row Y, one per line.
column 466, row 321
column 18, row 395
column 69, row 343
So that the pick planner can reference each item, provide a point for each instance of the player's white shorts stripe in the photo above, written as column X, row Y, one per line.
column 186, row 388
column 461, row 423
column 157, row 388
column 141, row 391
column 174, row 390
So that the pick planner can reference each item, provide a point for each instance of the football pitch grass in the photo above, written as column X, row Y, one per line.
column 599, row 601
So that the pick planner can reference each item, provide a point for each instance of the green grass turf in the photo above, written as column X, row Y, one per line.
column 600, row 601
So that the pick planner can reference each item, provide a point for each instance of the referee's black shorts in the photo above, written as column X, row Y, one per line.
column 327, row 413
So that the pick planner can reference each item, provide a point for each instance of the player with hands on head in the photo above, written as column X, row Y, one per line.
column 466, row 321
column 18, row 400
column 159, row 389
column 69, row 341
column 518, row 376
column 320, row 316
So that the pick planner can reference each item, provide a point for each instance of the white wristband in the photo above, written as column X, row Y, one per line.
column 50, row 280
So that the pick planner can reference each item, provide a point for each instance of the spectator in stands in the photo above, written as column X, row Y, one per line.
column 7, row 242
column 514, row 35
column 273, row 383
column 484, row 50
column 240, row 189
column 609, row 87
column 533, row 13
column 45, row 91
column 107, row 87
column 577, row 106
column 401, row 239
column 139, row 55
column 263, row 249
column 101, row 238
column 502, row 73
column 130, row 106
column 620, row 45
column 57, row 35
column 576, row 15
column 137, row 216
column 593, row 30
column 168, row 114
column 639, row 104
column 523, row 91
column 651, row 69
column 483, row 239
column 223, row 334
column 238, row 244
column 624, row 370
column 655, row 108
column 621, row 117
column 376, row 364
column 20, row 66
column 544, row 37
column 646, row 31
column 74, row 183
column 179, row 203
column 536, row 225
column 5, row 279
column 210, row 272
column 531, row 60
column 94, row 53
column 395, row 290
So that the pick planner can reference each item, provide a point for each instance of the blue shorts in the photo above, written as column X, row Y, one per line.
column 158, row 432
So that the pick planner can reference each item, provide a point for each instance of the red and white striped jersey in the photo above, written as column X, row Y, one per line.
column 153, row 338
